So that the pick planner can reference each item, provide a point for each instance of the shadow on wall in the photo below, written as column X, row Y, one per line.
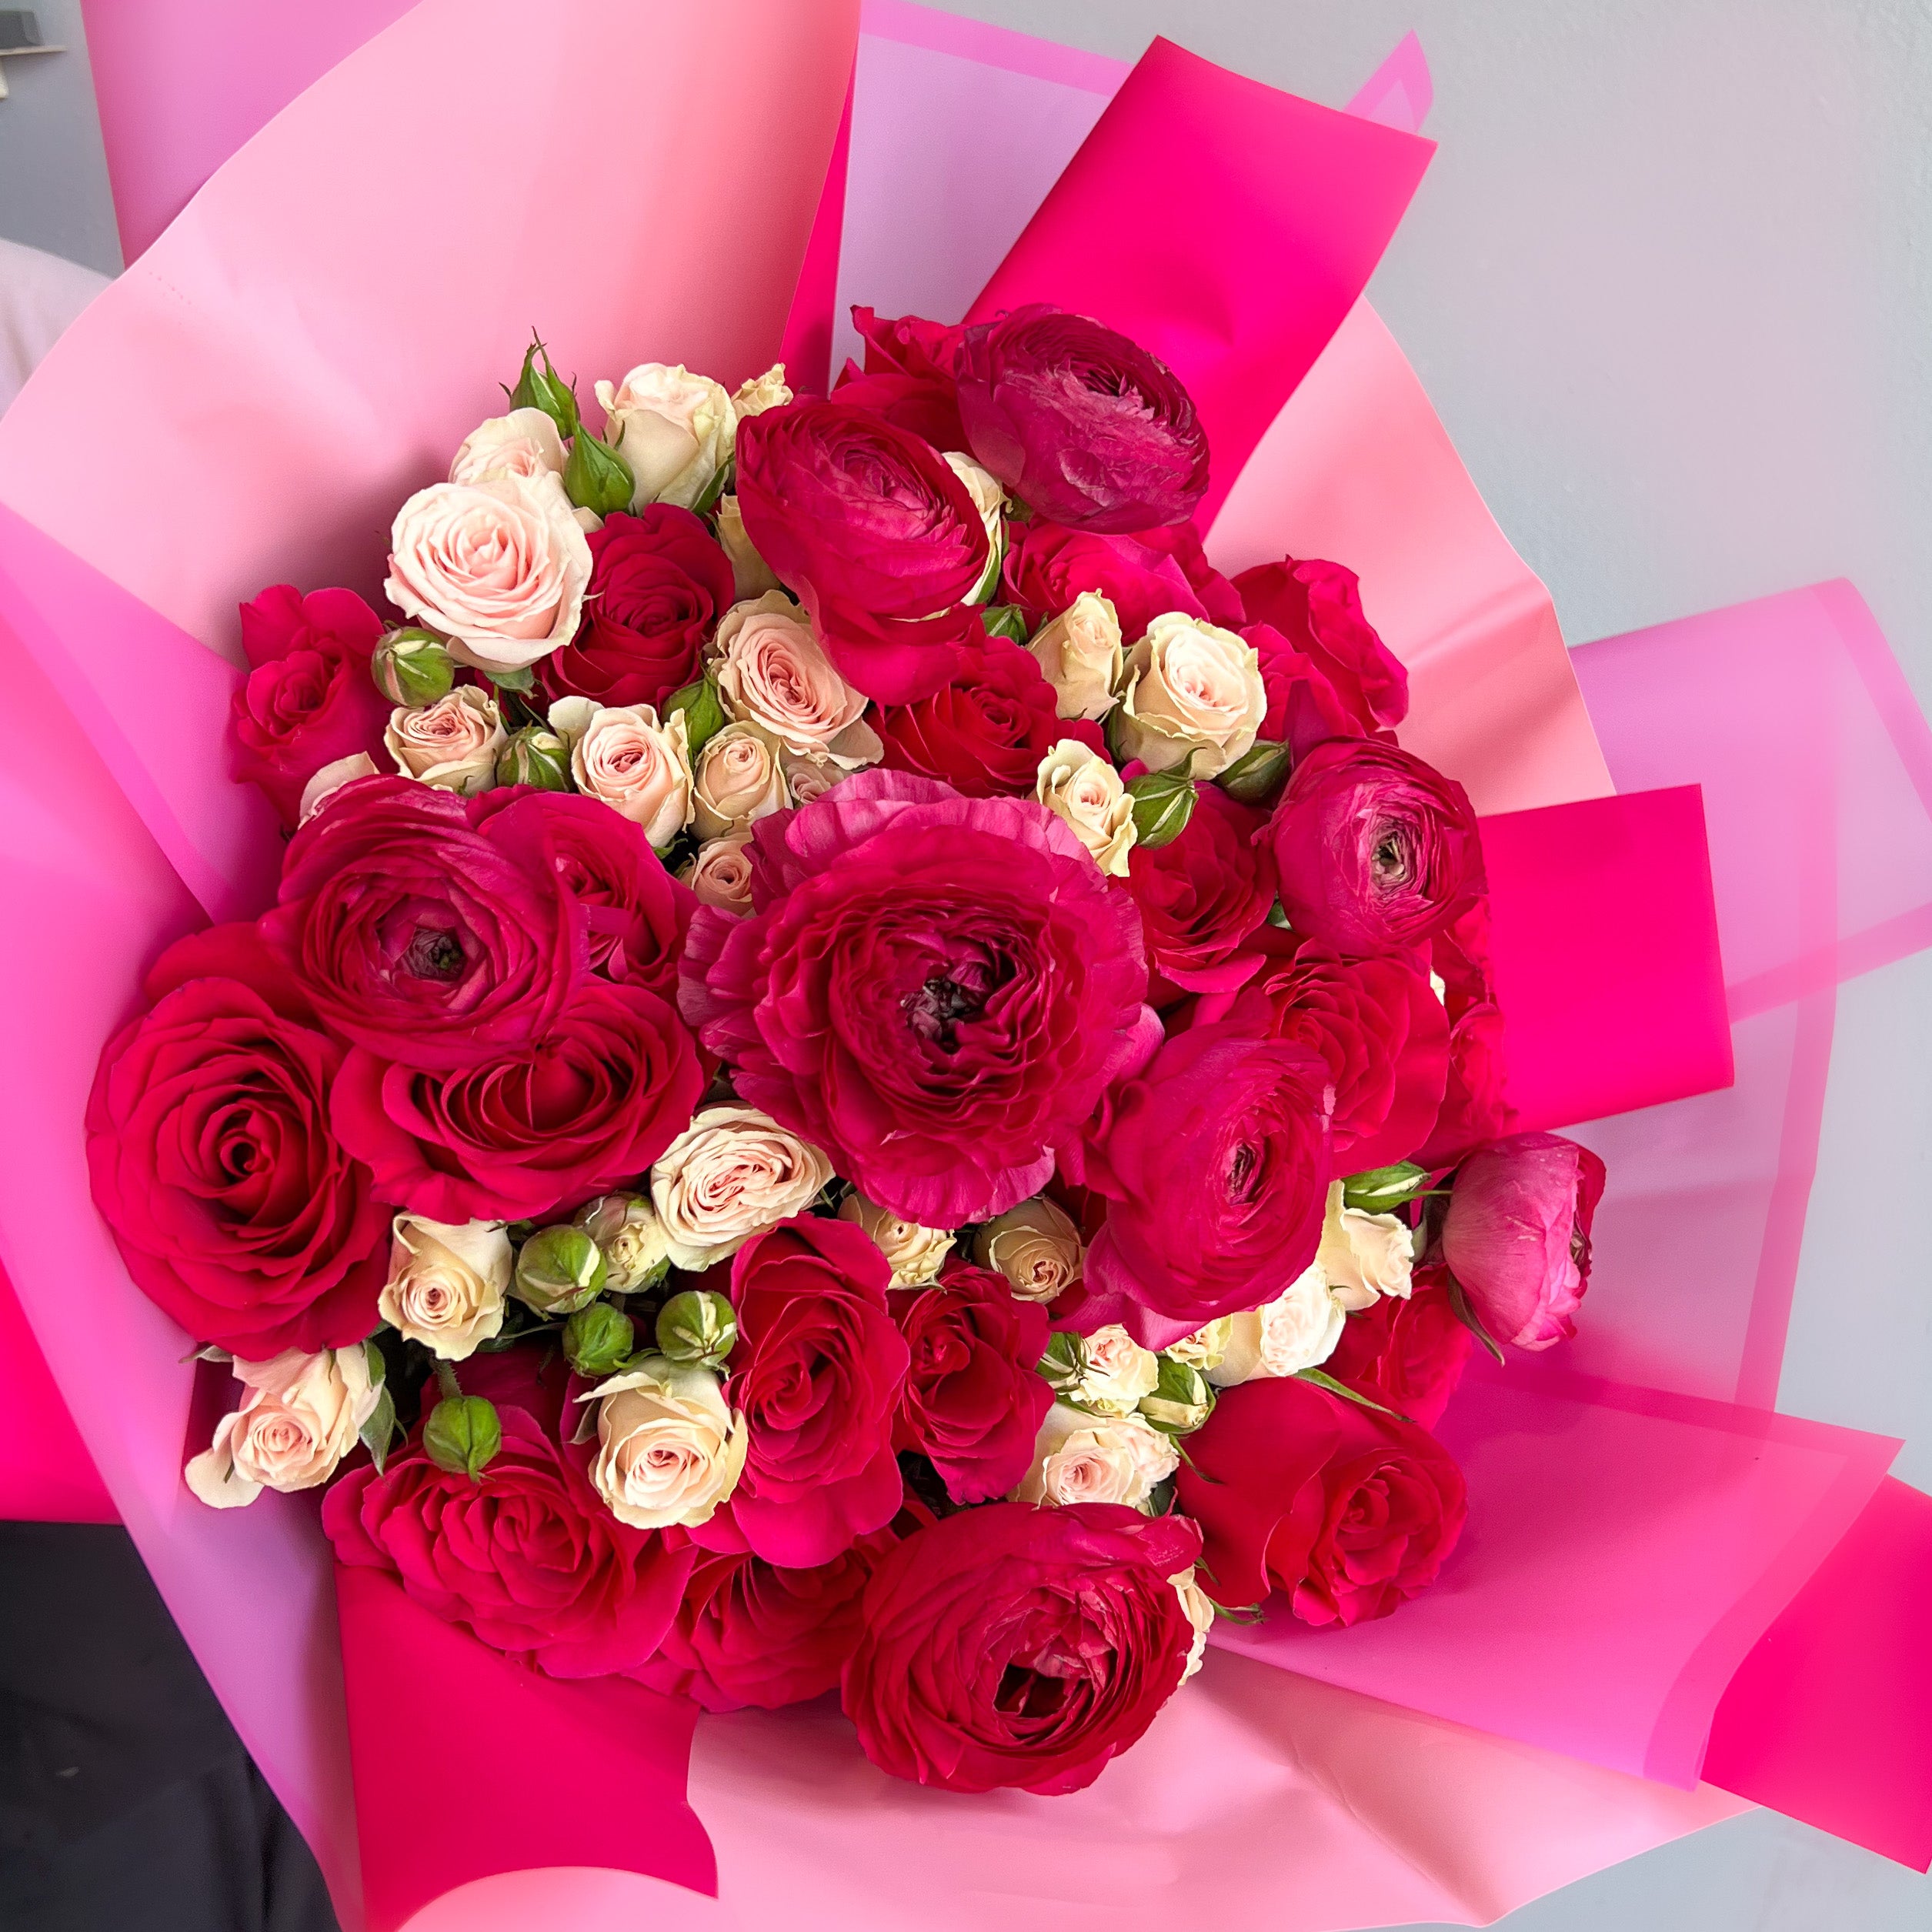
column 53, row 175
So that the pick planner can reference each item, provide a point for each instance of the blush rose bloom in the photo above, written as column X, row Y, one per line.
column 732, row 1173
column 1300, row 1329
column 1516, row 1236
column 735, row 778
column 452, row 744
column 499, row 568
column 523, row 443
column 1078, row 1458
column 302, row 1415
column 1012, row 1645
column 633, row 761
column 773, row 673
column 917, row 1253
column 1084, row 791
column 1363, row 1256
column 1116, row 1372
column 674, row 428
column 669, row 1450
column 1082, row 656
column 1190, row 687
column 447, row 1283
column 324, row 784
column 719, row 873
column 1036, row 1246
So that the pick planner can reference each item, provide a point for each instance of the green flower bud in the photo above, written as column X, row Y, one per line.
column 1182, row 1399
column 1163, row 802
column 704, row 712
column 463, row 1435
column 411, row 667
column 1064, row 1364
column 1256, row 773
column 598, row 1341
column 544, row 389
column 697, row 1326
column 535, row 755
column 596, row 478
column 557, row 1270
column 1382, row 1189
column 1004, row 620
column 626, row 1228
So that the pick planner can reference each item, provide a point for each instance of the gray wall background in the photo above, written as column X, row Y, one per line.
column 1668, row 283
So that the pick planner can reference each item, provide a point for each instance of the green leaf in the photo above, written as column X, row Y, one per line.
column 1256, row 772
column 1321, row 1380
column 1163, row 802
column 1459, row 1306
column 523, row 679
column 704, row 712
column 380, row 1431
column 1380, row 1189
column 718, row 488
column 1004, row 620
column 1276, row 916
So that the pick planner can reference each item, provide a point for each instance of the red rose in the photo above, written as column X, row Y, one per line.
column 1516, row 1236
column 1374, row 850
column 872, row 528
column 612, row 1083
column 1378, row 1024
column 986, row 732
column 1083, row 424
column 1315, row 609
column 1303, row 707
column 908, row 377
column 233, row 1204
column 936, row 990
column 750, row 1633
column 973, row 1402
column 419, row 937
column 1204, row 896
column 636, row 914
column 1475, row 1106
column 1407, row 1355
column 1217, row 596
column 1215, row 1161
column 1347, row 1510
column 816, row 1373
column 660, row 581
column 528, row 1559
column 1048, row 565
column 1012, row 1645
column 309, row 699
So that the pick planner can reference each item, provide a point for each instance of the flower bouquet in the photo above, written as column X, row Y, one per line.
column 861, row 1036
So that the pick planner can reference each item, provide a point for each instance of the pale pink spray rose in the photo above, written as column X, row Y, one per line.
column 302, row 1415
column 674, row 430
column 732, row 1173
column 523, row 443
column 720, row 872
column 452, row 744
column 736, row 779
column 637, row 763
column 773, row 672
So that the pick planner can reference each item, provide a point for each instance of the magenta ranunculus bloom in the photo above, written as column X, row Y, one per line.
column 868, row 523
column 1315, row 609
column 816, row 1373
column 660, row 581
column 1082, row 424
column 1516, row 1236
column 422, row 933
column 308, row 700
column 973, row 1402
column 1374, row 850
column 935, row 989
column 1013, row 1646
column 1215, row 1161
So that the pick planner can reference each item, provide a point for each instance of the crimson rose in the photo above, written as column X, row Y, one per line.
column 1408, row 1354
column 1083, row 425
column 1348, row 1510
column 660, row 581
column 985, row 731
column 234, row 1205
column 1048, row 565
column 1374, row 850
column 421, row 938
column 1475, row 1105
column 973, row 1402
column 749, row 1633
column 908, row 376
column 1012, row 1645
column 871, row 527
column 816, row 1373
column 309, row 699
column 936, row 990
column 1204, row 896
column 1315, row 609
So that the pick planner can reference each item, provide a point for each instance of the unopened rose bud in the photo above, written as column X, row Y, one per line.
column 463, row 1435
column 697, row 1326
column 535, row 755
column 598, row 1341
column 1004, row 620
column 631, row 1238
column 1381, row 1190
column 596, row 478
column 1182, row 1399
column 1163, row 802
column 411, row 667
column 1256, row 774
column 557, row 1270
column 544, row 389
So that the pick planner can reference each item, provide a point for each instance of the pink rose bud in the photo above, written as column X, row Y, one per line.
column 1517, row 1234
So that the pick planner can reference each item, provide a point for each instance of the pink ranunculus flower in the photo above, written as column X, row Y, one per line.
column 935, row 989
column 498, row 567
column 1516, row 1236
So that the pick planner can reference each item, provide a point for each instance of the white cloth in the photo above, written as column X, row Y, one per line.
column 40, row 294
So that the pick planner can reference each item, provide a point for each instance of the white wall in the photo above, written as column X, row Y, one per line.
column 53, row 177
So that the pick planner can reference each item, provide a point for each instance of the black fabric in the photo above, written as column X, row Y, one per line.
column 127, row 1802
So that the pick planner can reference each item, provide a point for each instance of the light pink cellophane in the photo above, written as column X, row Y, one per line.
column 1397, row 1816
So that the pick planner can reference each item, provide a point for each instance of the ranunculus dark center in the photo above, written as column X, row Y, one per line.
column 960, row 992
column 1390, row 860
column 433, row 952
column 1025, row 1692
column 1243, row 1164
